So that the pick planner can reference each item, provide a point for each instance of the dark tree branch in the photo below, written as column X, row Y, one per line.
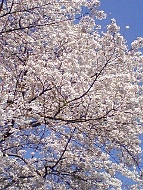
column 60, row 158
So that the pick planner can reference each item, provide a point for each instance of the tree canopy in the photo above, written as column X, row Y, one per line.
column 70, row 98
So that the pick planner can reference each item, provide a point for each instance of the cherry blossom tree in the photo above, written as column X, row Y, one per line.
column 70, row 98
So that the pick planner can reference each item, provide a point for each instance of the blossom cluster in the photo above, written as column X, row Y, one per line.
column 70, row 101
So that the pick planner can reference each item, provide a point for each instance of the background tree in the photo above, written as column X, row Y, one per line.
column 70, row 103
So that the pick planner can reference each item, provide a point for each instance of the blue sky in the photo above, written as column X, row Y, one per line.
column 126, row 12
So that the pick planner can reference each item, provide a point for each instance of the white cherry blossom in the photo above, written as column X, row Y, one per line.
column 70, row 98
